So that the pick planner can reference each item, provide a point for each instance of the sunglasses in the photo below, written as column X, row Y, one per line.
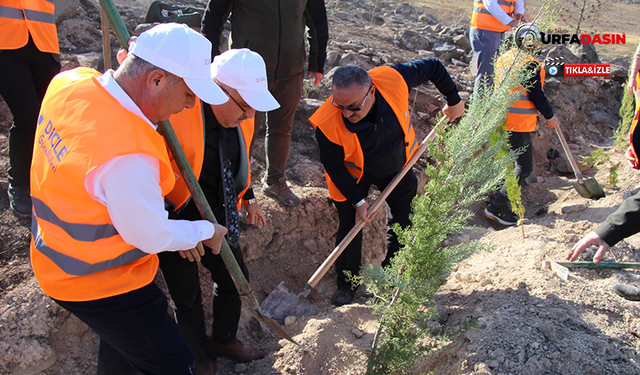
column 242, row 108
column 351, row 108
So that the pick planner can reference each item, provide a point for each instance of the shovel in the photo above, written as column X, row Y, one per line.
column 244, row 290
column 283, row 301
column 589, row 188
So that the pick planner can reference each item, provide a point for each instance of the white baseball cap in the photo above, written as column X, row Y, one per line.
column 245, row 71
column 182, row 51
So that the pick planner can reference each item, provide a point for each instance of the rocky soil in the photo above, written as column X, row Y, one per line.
column 501, row 312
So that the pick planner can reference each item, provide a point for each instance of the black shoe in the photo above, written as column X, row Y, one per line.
column 628, row 292
column 342, row 297
column 20, row 201
column 502, row 215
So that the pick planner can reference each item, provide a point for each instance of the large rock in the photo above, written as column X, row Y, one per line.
column 413, row 41
column 462, row 41
column 66, row 9
column 586, row 52
column 353, row 58
column 306, row 108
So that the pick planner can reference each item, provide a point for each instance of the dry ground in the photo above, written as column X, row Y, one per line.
column 501, row 312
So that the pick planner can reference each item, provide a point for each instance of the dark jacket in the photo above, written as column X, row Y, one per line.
column 275, row 29
column 622, row 223
column 379, row 133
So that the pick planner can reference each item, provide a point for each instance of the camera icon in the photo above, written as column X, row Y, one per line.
column 554, row 67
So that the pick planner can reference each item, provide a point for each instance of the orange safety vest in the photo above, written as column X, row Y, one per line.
column 634, row 123
column 189, row 128
column 329, row 119
column 19, row 18
column 481, row 18
column 522, row 115
column 76, row 252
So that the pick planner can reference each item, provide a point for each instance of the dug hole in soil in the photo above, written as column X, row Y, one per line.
column 503, row 314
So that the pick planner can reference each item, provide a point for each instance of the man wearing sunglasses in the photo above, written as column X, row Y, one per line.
column 365, row 137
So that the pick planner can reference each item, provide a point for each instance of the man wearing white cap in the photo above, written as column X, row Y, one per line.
column 99, row 175
column 225, row 177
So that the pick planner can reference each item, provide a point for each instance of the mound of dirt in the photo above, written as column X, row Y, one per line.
column 503, row 314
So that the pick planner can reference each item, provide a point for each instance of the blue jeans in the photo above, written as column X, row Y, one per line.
column 485, row 46
column 136, row 331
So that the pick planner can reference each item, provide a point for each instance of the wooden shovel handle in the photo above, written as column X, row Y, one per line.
column 567, row 151
column 324, row 267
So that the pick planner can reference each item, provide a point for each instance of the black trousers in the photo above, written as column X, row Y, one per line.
column 136, row 330
column 183, row 282
column 398, row 210
column 524, row 164
column 25, row 74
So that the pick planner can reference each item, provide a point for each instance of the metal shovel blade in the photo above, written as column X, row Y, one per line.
column 589, row 188
column 594, row 188
column 582, row 189
column 284, row 301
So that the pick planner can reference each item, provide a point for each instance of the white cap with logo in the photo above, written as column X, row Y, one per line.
column 245, row 71
column 182, row 51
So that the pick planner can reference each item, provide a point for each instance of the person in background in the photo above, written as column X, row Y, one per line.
column 99, row 176
column 276, row 31
column 522, row 116
column 365, row 136
column 224, row 133
column 625, row 221
column 29, row 59
column 633, row 72
column 489, row 21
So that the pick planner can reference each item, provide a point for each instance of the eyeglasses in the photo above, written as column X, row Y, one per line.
column 242, row 108
column 351, row 108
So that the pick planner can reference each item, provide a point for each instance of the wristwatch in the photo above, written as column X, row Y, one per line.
column 251, row 201
column 362, row 201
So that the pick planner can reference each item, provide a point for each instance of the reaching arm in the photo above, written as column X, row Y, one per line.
column 213, row 21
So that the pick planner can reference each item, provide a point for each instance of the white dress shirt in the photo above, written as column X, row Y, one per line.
column 494, row 8
column 129, row 186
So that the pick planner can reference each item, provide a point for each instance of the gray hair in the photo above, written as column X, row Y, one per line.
column 350, row 75
column 133, row 67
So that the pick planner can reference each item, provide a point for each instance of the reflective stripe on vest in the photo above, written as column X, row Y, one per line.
column 353, row 165
column 12, row 13
column 77, row 267
column 522, row 111
column 21, row 18
column 393, row 88
column 482, row 19
column 34, row 15
column 79, row 232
